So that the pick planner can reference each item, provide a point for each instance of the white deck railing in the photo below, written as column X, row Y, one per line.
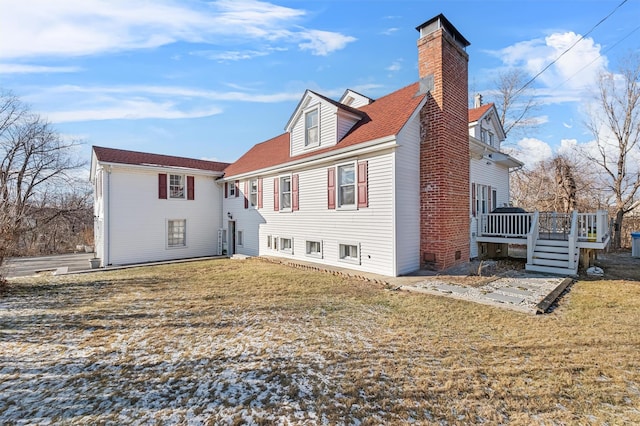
column 505, row 225
column 589, row 227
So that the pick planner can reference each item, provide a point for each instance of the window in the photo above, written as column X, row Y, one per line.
column 483, row 135
column 346, row 185
column 285, row 192
column 232, row 189
column 491, row 139
column 311, row 128
column 176, row 233
column 253, row 192
column 240, row 238
column 275, row 243
column 176, row 186
column 494, row 199
column 314, row 248
column 268, row 241
column 481, row 199
column 349, row 253
column 286, row 244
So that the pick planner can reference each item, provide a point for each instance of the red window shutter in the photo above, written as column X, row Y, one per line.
column 473, row 199
column 162, row 186
column 276, row 198
column 191, row 188
column 226, row 189
column 237, row 187
column 259, row 193
column 331, row 188
column 295, row 200
column 363, row 184
column 246, row 194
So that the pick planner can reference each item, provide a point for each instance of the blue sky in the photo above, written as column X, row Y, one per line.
column 211, row 79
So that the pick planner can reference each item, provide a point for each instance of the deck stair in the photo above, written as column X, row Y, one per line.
column 552, row 257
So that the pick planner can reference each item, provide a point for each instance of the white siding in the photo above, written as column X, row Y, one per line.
column 488, row 173
column 371, row 227
column 327, row 123
column 138, row 218
column 408, row 198
column 345, row 123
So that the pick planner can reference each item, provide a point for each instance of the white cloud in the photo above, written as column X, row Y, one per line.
column 531, row 151
column 34, row 69
column 322, row 43
column 130, row 109
column 395, row 66
column 389, row 31
column 570, row 76
column 67, row 28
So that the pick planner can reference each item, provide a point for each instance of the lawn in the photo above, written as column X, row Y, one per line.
column 253, row 342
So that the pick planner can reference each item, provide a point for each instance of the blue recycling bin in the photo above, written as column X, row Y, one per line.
column 635, row 244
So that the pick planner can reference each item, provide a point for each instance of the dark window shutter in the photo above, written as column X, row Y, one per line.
column 276, row 198
column 295, row 199
column 226, row 189
column 331, row 188
column 191, row 188
column 363, row 183
column 162, row 186
column 237, row 187
column 473, row 199
column 488, row 199
column 259, row 193
column 246, row 194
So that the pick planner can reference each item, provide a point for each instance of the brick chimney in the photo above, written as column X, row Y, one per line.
column 444, row 145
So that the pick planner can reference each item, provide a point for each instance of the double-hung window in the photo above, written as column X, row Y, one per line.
column 176, row 233
column 314, row 248
column 176, row 186
column 286, row 245
column 482, row 199
column 312, row 134
column 347, row 185
column 253, row 192
column 285, row 193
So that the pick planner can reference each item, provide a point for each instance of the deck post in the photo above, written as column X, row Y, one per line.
column 532, row 237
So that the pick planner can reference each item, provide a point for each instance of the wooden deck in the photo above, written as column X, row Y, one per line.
column 555, row 241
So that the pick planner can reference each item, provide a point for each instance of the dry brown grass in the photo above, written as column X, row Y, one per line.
column 250, row 341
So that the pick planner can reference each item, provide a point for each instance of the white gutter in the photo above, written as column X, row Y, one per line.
column 155, row 167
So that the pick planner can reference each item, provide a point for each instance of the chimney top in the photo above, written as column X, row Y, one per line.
column 438, row 22
column 477, row 100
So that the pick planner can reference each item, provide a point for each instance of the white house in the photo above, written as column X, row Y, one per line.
column 387, row 185
column 150, row 207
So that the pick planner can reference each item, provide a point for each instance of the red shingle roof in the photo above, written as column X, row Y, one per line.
column 476, row 113
column 383, row 117
column 121, row 156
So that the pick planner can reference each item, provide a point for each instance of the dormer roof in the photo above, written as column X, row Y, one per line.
column 382, row 118
column 487, row 112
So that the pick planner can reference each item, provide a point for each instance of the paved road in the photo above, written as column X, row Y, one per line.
column 25, row 266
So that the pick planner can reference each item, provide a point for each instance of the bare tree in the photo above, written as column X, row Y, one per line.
column 515, row 102
column 36, row 167
column 615, row 125
column 562, row 183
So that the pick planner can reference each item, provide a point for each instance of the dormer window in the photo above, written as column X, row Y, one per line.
column 312, row 134
column 491, row 139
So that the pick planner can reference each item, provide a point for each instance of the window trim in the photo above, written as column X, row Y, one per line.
column 317, row 255
column 232, row 189
column 170, row 246
column 253, row 194
column 281, row 193
column 341, row 258
column 281, row 245
column 307, row 143
column 240, row 237
column 183, row 180
column 338, row 186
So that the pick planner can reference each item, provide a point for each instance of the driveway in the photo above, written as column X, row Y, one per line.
column 26, row 266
